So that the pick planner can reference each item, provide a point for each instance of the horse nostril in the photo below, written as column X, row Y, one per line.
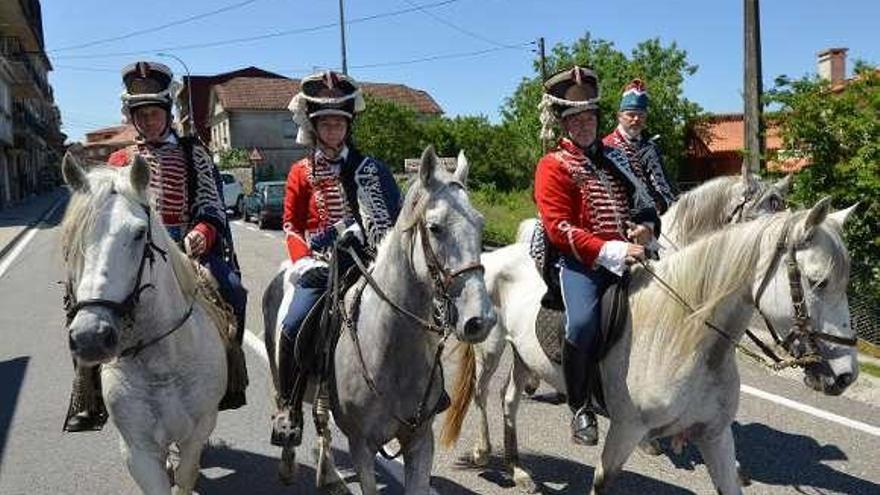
column 473, row 326
column 845, row 380
column 71, row 343
column 107, row 336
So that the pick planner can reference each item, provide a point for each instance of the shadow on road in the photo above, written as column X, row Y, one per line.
column 556, row 475
column 241, row 471
column 11, row 377
column 778, row 458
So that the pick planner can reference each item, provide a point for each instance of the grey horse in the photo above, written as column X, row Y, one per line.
column 386, row 380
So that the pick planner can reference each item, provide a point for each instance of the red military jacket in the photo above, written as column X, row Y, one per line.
column 583, row 202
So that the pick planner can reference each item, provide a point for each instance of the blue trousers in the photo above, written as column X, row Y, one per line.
column 231, row 289
column 582, row 291
column 304, row 299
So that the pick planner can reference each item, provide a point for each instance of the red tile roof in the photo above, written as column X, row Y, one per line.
column 256, row 93
column 725, row 133
column 118, row 135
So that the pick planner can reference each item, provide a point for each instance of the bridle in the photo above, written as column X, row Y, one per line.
column 125, row 309
column 443, row 319
column 801, row 330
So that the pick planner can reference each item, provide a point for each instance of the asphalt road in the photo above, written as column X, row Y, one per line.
column 784, row 448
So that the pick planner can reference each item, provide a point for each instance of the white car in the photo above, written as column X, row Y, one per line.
column 233, row 193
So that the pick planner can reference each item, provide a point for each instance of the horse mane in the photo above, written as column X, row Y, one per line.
column 702, row 209
column 704, row 277
column 84, row 208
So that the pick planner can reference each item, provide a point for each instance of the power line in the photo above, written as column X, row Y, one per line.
column 155, row 28
column 459, row 28
column 276, row 34
column 437, row 57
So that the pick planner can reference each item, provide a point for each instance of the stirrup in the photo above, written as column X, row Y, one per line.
column 584, row 427
column 85, row 421
column 287, row 429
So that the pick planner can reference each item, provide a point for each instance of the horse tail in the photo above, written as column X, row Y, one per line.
column 465, row 383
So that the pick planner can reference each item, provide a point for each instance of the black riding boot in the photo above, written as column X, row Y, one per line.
column 287, row 423
column 584, row 428
column 86, row 411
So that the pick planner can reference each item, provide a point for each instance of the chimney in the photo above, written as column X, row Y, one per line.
column 831, row 64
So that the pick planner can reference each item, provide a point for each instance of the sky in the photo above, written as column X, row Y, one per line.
column 468, row 54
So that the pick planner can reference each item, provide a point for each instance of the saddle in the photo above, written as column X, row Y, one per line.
column 550, row 328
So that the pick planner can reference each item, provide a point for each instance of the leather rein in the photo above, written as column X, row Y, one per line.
column 125, row 309
column 801, row 329
column 442, row 322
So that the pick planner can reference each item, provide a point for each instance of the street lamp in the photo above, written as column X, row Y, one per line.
column 189, row 95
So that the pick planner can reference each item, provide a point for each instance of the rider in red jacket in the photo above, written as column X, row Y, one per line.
column 597, row 217
column 335, row 194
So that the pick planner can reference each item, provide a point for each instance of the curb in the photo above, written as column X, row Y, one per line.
column 30, row 225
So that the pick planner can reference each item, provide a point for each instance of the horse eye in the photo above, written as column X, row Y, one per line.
column 435, row 228
column 818, row 284
column 141, row 232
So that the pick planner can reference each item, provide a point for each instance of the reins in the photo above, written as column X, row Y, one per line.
column 801, row 326
column 442, row 322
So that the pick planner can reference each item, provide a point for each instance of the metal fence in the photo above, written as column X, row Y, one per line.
column 865, row 318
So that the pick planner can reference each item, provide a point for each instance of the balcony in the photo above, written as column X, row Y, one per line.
column 28, row 81
column 23, row 119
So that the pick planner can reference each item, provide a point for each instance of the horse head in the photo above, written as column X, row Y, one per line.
column 109, row 243
column 756, row 197
column 450, row 233
column 805, row 301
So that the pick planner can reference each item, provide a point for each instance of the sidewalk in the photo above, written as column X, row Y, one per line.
column 16, row 219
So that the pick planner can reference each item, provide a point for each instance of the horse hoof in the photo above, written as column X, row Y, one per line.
column 287, row 467
column 651, row 447
column 480, row 458
column 524, row 481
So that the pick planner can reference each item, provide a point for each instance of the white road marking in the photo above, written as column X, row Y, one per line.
column 23, row 242
column 812, row 411
column 394, row 468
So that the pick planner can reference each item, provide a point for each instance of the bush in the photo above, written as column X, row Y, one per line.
column 504, row 210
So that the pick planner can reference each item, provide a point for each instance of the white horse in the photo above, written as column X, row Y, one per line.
column 135, row 308
column 698, row 212
column 670, row 373
column 386, row 378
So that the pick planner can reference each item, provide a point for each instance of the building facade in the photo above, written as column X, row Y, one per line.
column 30, row 164
column 101, row 143
column 715, row 143
column 250, row 113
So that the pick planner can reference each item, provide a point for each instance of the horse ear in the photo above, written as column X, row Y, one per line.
column 783, row 185
column 461, row 169
column 817, row 215
column 140, row 173
column 74, row 176
column 428, row 167
column 840, row 216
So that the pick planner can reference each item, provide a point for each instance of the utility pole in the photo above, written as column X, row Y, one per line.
column 752, row 88
column 543, row 58
column 342, row 34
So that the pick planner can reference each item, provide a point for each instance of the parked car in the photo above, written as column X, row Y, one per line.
column 233, row 193
column 266, row 204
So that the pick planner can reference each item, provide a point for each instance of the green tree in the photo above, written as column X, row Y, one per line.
column 233, row 158
column 663, row 68
column 838, row 131
column 388, row 131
